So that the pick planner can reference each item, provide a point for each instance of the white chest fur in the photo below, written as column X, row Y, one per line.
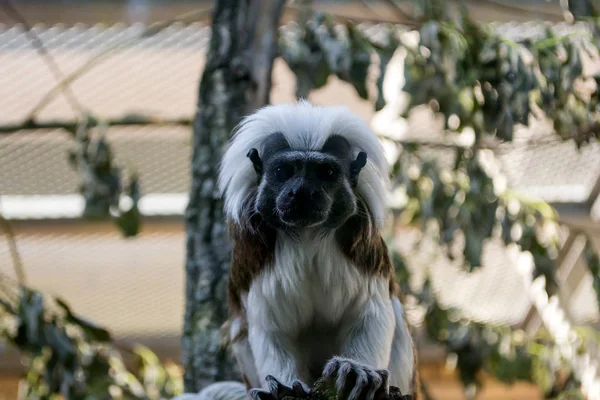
column 305, row 306
column 310, row 281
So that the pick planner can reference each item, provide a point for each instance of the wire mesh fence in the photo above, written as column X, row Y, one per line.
column 135, row 287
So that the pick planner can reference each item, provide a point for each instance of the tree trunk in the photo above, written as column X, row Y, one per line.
column 236, row 80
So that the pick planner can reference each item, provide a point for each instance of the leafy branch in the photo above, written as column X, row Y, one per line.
column 92, row 158
column 501, row 352
column 484, row 85
column 69, row 356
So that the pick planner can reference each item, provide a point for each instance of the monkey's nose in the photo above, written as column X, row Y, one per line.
column 301, row 193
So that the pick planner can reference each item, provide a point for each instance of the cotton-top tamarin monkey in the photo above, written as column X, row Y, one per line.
column 311, row 288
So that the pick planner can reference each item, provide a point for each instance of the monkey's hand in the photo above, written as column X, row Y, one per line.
column 277, row 390
column 365, row 382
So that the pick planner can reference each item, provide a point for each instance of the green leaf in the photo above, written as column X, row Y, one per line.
column 59, row 342
column 473, row 248
column 571, row 394
column 385, row 54
column 506, row 125
column 582, row 8
column 129, row 222
column 31, row 318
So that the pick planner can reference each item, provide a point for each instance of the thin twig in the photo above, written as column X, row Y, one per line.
column 14, row 251
column 496, row 146
column 95, row 60
column 50, row 62
column 71, row 126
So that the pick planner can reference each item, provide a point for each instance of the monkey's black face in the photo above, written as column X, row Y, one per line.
column 304, row 189
column 300, row 189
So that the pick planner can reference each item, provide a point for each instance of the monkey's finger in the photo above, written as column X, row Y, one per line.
column 300, row 389
column 374, row 385
column 385, row 379
column 362, row 381
column 331, row 369
column 275, row 387
column 342, row 375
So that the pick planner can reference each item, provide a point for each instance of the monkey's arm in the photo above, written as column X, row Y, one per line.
column 271, row 335
column 368, row 337
column 274, row 355
column 367, row 345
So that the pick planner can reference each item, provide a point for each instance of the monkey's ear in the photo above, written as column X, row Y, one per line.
column 256, row 161
column 356, row 166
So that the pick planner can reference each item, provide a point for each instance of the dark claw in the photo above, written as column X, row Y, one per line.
column 385, row 379
column 277, row 390
column 275, row 387
column 300, row 390
column 376, row 384
column 384, row 389
column 396, row 393
column 367, row 383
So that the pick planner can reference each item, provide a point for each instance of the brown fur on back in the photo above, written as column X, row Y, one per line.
column 361, row 241
column 253, row 249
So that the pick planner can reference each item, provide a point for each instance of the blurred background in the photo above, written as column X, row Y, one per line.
column 145, row 87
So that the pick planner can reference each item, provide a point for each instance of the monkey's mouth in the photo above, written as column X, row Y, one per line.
column 301, row 217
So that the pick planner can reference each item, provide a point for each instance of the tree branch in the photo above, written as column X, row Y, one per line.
column 585, row 365
column 71, row 125
column 140, row 119
column 497, row 147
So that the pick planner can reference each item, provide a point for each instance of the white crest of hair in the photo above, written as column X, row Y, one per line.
column 305, row 127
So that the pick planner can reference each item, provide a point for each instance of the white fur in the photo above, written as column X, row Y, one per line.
column 243, row 353
column 306, row 127
column 313, row 304
column 402, row 360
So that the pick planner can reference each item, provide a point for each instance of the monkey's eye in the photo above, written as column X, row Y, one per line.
column 284, row 171
column 327, row 173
